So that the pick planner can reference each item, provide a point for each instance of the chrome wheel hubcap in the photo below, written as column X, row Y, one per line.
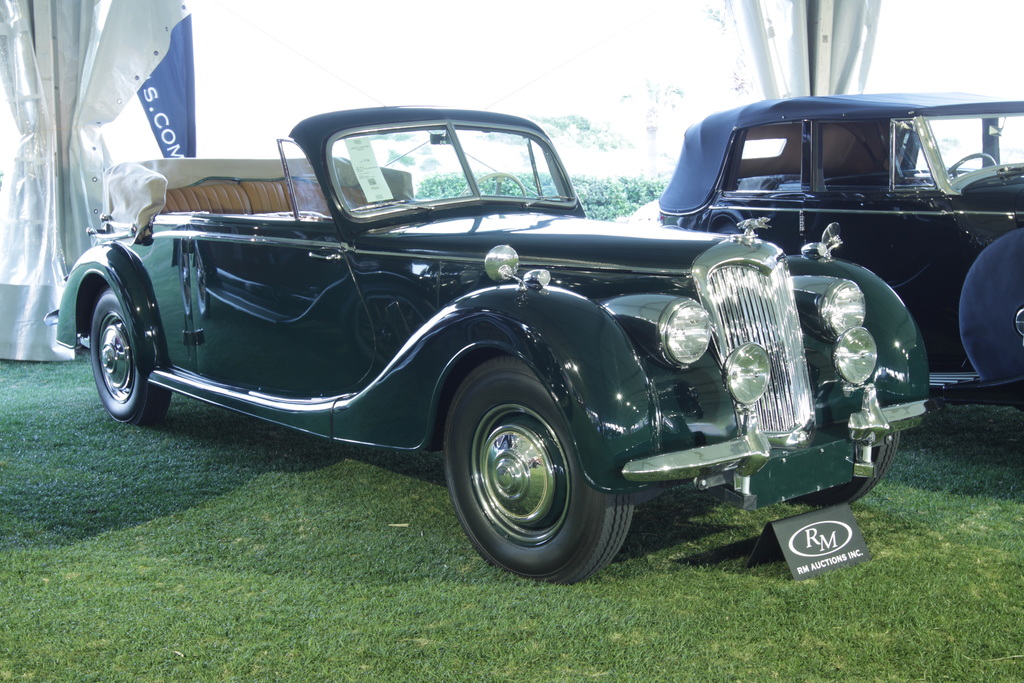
column 518, row 481
column 115, row 356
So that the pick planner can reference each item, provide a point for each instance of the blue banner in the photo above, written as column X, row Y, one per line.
column 169, row 96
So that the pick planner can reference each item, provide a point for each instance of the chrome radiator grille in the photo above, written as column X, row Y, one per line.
column 755, row 303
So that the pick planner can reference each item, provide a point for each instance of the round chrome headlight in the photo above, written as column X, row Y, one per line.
column 685, row 331
column 855, row 355
column 746, row 373
column 842, row 307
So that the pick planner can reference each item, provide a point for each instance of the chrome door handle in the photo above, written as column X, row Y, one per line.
column 325, row 255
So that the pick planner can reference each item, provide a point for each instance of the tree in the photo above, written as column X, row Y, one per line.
column 583, row 132
column 659, row 98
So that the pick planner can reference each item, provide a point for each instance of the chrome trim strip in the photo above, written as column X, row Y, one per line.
column 866, row 212
column 859, row 212
column 195, row 387
column 874, row 212
column 412, row 254
column 251, row 239
column 528, row 263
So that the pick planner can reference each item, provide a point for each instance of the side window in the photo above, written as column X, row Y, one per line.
column 769, row 160
column 855, row 155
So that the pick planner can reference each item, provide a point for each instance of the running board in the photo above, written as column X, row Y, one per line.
column 942, row 379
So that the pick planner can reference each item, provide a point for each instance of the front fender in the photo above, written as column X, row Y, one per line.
column 575, row 347
column 115, row 266
column 901, row 375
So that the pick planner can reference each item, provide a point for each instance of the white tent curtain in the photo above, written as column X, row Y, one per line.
column 31, row 260
column 68, row 68
column 808, row 47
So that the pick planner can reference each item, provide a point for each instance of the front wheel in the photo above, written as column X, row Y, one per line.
column 515, row 483
column 124, row 390
column 882, row 455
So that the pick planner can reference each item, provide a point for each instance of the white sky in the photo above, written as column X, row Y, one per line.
column 262, row 65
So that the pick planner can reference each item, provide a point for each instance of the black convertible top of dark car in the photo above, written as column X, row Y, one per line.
column 705, row 143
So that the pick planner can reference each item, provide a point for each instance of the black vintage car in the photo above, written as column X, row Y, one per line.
column 927, row 190
column 425, row 279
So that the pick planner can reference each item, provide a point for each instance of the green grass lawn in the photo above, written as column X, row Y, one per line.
column 218, row 548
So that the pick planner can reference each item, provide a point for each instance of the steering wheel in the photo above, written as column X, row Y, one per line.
column 954, row 170
column 499, row 178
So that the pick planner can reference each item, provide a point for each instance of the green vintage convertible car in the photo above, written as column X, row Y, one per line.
column 419, row 278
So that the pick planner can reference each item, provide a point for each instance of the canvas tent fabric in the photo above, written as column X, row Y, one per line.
column 808, row 47
column 61, row 99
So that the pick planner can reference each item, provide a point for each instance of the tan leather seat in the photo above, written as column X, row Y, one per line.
column 267, row 196
column 213, row 198
column 245, row 197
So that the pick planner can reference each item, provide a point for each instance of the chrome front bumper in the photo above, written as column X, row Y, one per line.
column 750, row 451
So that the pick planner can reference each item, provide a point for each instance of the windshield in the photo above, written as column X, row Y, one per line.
column 971, row 144
column 427, row 166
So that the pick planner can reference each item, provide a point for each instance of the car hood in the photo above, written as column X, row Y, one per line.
column 545, row 240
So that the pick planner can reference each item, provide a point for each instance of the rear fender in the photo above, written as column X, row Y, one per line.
column 576, row 349
column 115, row 266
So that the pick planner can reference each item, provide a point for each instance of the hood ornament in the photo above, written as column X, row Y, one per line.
column 750, row 226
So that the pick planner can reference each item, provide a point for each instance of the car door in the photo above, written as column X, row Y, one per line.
column 275, row 308
column 893, row 219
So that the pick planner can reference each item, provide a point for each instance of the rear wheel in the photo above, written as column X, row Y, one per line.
column 515, row 484
column 881, row 455
column 124, row 390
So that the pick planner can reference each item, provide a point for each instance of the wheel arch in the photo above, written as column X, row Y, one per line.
column 594, row 376
column 578, row 351
column 116, row 268
column 457, row 373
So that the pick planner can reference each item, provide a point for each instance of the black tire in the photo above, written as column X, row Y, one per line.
column 515, row 484
column 882, row 455
column 124, row 390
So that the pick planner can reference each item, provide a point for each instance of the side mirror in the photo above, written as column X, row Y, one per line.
column 822, row 251
column 501, row 263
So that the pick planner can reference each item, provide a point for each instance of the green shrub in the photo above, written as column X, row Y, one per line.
column 609, row 198
column 442, row 185
column 603, row 198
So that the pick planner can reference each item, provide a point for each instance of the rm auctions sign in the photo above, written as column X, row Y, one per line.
column 813, row 542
